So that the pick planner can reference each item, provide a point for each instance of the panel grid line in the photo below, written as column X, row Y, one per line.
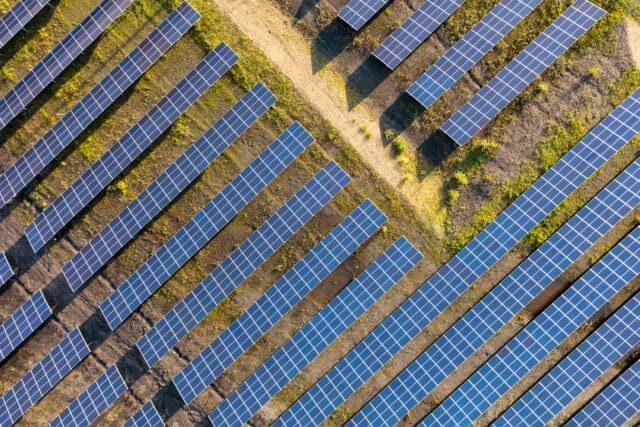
column 29, row 317
column 358, row 12
column 147, row 416
column 14, row 20
column 6, row 272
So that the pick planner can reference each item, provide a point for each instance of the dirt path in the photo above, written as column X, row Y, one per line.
column 633, row 39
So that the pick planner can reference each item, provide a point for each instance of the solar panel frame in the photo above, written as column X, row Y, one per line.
column 56, row 61
column 358, row 12
column 16, row 177
column 414, row 31
column 147, row 416
column 14, row 20
column 87, row 407
column 130, row 146
column 278, row 300
column 521, row 71
column 205, row 224
column 336, row 317
column 469, row 50
column 242, row 262
column 43, row 377
column 6, row 272
column 22, row 323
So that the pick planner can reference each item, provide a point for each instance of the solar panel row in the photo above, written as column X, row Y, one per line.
column 43, row 377
column 615, row 405
column 6, row 272
column 317, row 334
column 604, row 347
column 18, row 175
column 15, row 20
column 147, row 416
column 479, row 255
column 358, row 12
column 510, row 296
column 93, row 401
column 72, row 45
column 470, row 49
column 414, row 31
column 288, row 291
column 130, row 146
column 522, row 71
column 205, row 224
column 562, row 318
column 22, row 323
column 242, row 262
column 167, row 186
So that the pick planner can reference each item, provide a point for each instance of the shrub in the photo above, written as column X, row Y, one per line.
column 461, row 178
column 454, row 195
column 595, row 71
column 399, row 145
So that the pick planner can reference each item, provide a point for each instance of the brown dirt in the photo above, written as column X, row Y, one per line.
column 633, row 39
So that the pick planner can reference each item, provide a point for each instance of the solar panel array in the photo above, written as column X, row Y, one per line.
column 72, row 45
column 414, row 31
column 470, row 49
column 129, row 147
column 93, row 401
column 147, row 416
column 15, row 20
column 358, row 12
column 478, row 256
column 505, row 300
column 204, row 225
column 522, row 71
column 288, row 291
column 43, row 377
column 6, row 272
column 581, row 301
column 604, row 347
column 167, row 186
column 22, row 323
column 317, row 334
column 242, row 262
column 615, row 405
column 18, row 175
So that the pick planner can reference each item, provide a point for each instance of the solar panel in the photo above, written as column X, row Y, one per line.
column 317, row 334
column 242, row 262
column 470, row 49
column 615, row 405
column 6, row 272
column 204, row 225
column 43, row 377
column 167, row 186
column 18, row 175
column 604, row 347
column 522, row 71
column 130, row 146
column 147, row 416
column 510, row 296
column 484, row 251
column 414, row 31
column 15, row 20
column 288, row 291
column 358, row 12
column 73, row 44
column 562, row 318
column 93, row 401
column 22, row 323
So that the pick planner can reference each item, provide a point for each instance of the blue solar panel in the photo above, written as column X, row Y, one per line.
column 22, row 323
column 147, row 416
column 542, row 335
column 73, row 44
column 130, row 146
column 484, row 251
column 167, row 186
column 414, row 31
column 522, row 71
column 313, row 268
column 18, row 175
column 93, row 401
column 317, row 334
column 15, row 20
column 204, row 225
column 469, row 50
column 6, row 272
column 604, row 347
column 43, row 377
column 242, row 262
column 615, row 405
column 512, row 294
column 358, row 12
